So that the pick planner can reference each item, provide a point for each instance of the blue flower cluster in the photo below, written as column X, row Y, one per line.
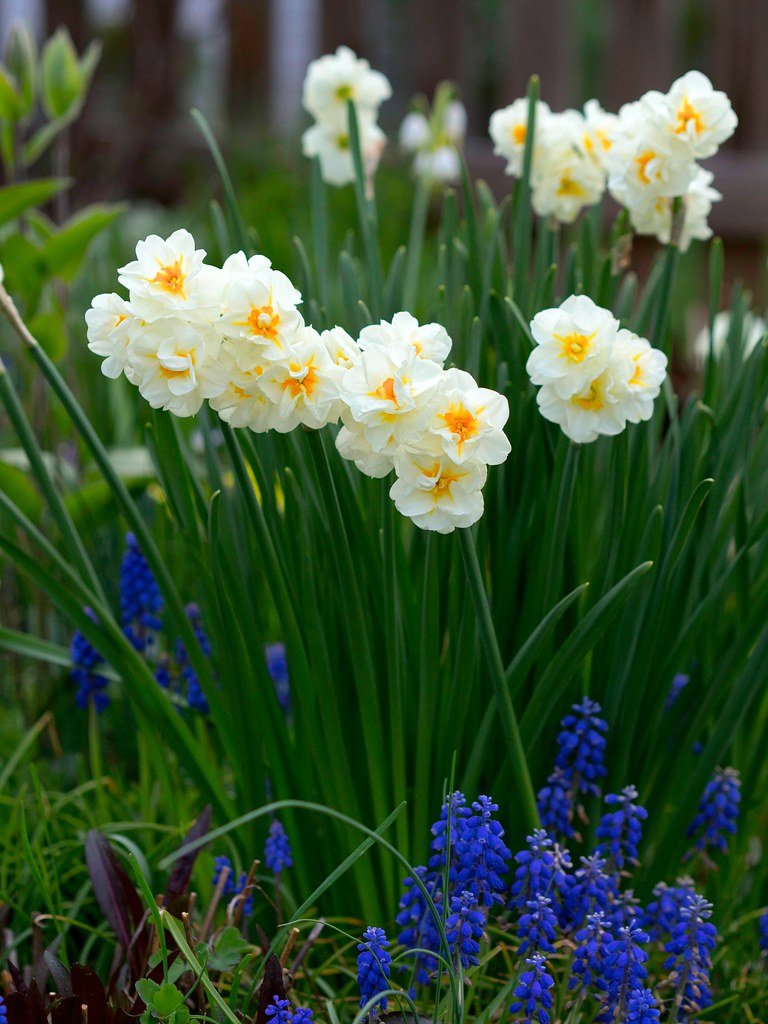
column 533, row 993
column 277, row 668
column 464, row 928
column 622, row 829
column 86, row 662
column 277, row 849
column 557, row 907
column 578, row 765
column 690, row 959
column 280, row 1011
column 373, row 968
column 718, row 811
column 762, row 926
column 232, row 888
column 140, row 599
column 467, row 842
column 141, row 605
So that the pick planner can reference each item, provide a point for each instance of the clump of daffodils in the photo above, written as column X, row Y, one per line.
column 330, row 83
column 646, row 156
column 594, row 376
column 435, row 136
column 234, row 336
column 434, row 427
column 569, row 165
column 653, row 164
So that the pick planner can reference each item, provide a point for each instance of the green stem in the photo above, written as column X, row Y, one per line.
column 490, row 644
column 666, row 285
column 366, row 211
column 416, row 241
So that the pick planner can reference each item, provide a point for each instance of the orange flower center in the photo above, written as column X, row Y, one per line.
column 591, row 400
column 386, row 390
column 460, row 421
column 171, row 278
column 642, row 166
column 165, row 372
column 685, row 114
column 263, row 321
column 569, row 187
column 575, row 346
column 301, row 385
column 518, row 134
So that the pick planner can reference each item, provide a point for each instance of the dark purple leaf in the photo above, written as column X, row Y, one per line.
column 115, row 893
column 271, row 986
column 182, row 870
column 67, row 1011
column 88, row 988
column 58, row 971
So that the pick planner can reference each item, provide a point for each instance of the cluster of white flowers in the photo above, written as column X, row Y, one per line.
column 595, row 377
column 233, row 336
column 653, row 161
column 436, row 137
column 569, row 156
column 646, row 155
column 435, row 427
column 190, row 331
column 330, row 82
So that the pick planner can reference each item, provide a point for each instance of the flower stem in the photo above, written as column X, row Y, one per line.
column 496, row 667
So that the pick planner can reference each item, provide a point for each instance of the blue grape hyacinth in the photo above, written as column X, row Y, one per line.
column 718, row 811
column 762, row 926
column 140, row 599
column 418, row 922
column 277, row 668
column 537, row 927
column 373, row 967
column 455, row 811
column 536, row 869
column 623, row 971
column 279, row 1011
column 196, row 699
column 277, row 849
column 690, row 960
column 622, row 829
column 533, row 992
column 464, row 928
column 582, row 746
column 86, row 661
column 591, row 952
column 481, row 854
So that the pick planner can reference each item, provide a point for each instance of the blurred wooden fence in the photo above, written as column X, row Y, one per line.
column 611, row 49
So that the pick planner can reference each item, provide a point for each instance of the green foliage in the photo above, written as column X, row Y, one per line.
column 601, row 570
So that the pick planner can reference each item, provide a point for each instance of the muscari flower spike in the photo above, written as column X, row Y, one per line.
column 590, row 954
column 279, row 1011
column 231, row 888
column 85, row 662
column 455, row 811
column 3, row 1011
column 277, row 668
column 418, row 922
column 642, row 1007
column 582, row 746
column 622, row 829
column 277, row 849
column 762, row 926
column 533, row 994
column 140, row 599
column 535, row 873
column 373, row 967
column 623, row 971
column 303, row 1015
column 555, row 804
column 718, row 811
column 537, row 927
column 590, row 889
column 663, row 912
column 481, row 854
column 690, row 959
column 679, row 681
column 464, row 928
column 196, row 699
